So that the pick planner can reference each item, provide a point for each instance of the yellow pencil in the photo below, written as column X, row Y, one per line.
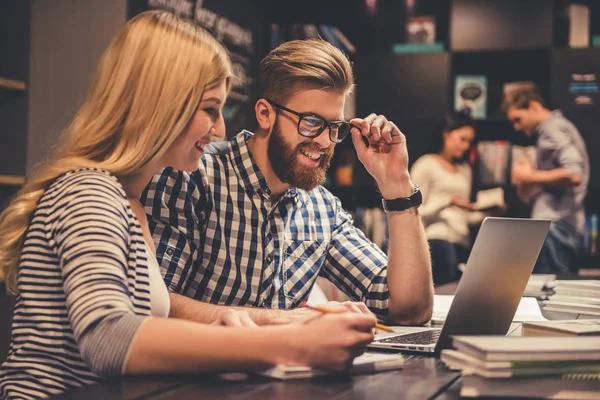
column 327, row 311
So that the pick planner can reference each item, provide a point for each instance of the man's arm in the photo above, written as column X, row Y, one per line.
column 409, row 268
column 362, row 271
column 554, row 178
column 569, row 159
column 409, row 280
column 183, row 307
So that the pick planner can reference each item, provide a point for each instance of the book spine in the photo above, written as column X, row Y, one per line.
column 343, row 39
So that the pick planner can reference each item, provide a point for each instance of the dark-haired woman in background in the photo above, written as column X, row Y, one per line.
column 445, row 179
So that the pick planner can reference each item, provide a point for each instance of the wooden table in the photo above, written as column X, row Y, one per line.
column 421, row 378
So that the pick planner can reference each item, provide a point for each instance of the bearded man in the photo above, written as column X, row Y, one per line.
column 253, row 228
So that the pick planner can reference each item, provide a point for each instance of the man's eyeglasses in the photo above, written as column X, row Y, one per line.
column 312, row 125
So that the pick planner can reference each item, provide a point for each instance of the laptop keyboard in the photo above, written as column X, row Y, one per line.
column 426, row 337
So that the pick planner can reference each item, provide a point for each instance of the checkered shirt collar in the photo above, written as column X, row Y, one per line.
column 249, row 175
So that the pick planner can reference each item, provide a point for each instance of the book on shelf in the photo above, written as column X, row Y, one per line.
column 420, row 29
column 576, row 327
column 528, row 348
column 367, row 362
column 406, row 48
column 470, row 365
column 343, row 39
column 579, row 25
column 568, row 386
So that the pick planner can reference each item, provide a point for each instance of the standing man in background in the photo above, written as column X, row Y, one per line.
column 562, row 173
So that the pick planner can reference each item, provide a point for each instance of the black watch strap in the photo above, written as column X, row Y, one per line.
column 403, row 203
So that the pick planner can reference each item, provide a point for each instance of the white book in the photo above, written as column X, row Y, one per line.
column 595, row 301
column 528, row 309
column 470, row 365
column 512, row 348
column 489, row 198
column 577, row 292
column 571, row 386
column 579, row 25
column 541, row 281
column 368, row 362
column 585, row 284
column 577, row 327
column 577, row 308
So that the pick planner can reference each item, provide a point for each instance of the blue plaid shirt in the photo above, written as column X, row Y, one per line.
column 221, row 239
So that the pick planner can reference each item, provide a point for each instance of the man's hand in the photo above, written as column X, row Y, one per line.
column 386, row 157
column 522, row 172
column 237, row 318
column 302, row 315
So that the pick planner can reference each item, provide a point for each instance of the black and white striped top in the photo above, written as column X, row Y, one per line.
column 83, row 288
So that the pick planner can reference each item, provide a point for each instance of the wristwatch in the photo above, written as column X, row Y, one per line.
column 403, row 203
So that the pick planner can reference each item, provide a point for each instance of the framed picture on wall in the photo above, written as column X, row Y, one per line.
column 470, row 95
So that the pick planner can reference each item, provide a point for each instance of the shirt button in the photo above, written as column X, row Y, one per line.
column 269, row 258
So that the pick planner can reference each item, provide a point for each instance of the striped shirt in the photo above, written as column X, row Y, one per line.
column 83, row 288
column 222, row 239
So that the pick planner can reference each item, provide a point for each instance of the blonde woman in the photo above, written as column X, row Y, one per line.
column 76, row 245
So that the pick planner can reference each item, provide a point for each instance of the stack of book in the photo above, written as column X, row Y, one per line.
column 576, row 327
column 540, row 286
column 535, row 367
column 577, row 296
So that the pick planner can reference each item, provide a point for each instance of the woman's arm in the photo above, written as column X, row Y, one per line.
column 175, row 346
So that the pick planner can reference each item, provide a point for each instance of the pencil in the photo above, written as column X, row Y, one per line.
column 327, row 311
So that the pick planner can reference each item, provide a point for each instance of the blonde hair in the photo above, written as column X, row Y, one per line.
column 520, row 94
column 146, row 91
column 314, row 62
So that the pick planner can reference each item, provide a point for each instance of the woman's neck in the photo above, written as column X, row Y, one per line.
column 446, row 157
column 135, row 184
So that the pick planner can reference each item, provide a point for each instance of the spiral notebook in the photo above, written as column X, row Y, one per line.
column 368, row 362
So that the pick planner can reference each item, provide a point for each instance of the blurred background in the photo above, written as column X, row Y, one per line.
column 414, row 61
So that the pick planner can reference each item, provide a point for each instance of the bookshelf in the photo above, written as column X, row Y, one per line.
column 12, row 180
column 14, row 70
column 503, row 40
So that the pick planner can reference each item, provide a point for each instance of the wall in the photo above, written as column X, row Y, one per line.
column 68, row 38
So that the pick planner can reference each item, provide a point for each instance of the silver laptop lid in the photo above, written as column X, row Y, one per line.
column 488, row 294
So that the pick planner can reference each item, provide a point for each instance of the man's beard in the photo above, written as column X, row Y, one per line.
column 284, row 161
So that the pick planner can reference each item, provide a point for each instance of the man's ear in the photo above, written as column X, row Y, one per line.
column 265, row 114
column 535, row 105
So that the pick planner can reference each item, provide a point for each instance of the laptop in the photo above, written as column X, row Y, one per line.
column 489, row 292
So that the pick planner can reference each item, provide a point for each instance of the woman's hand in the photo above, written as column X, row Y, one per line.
column 462, row 203
column 332, row 341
